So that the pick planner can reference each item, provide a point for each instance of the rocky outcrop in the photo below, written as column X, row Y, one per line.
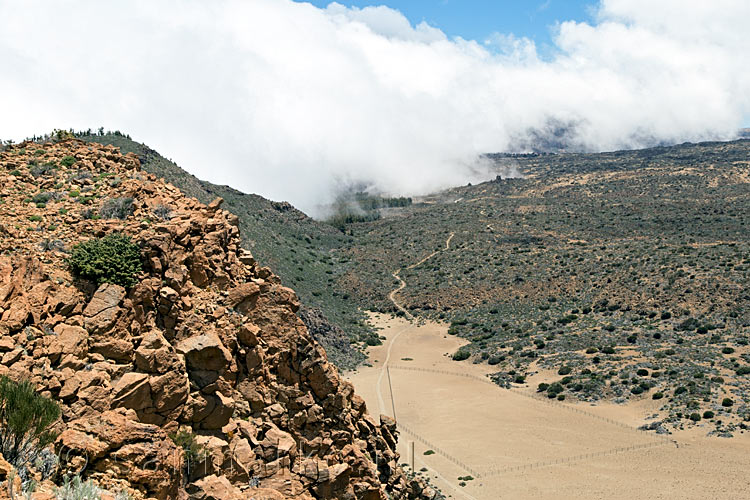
column 206, row 344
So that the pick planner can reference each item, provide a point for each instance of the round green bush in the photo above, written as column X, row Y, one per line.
column 708, row 414
column 555, row 389
column 495, row 360
column 657, row 395
column 695, row 417
column 542, row 387
column 564, row 370
column 461, row 355
column 111, row 259
column 727, row 402
column 373, row 341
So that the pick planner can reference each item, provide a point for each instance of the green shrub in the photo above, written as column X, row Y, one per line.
column 708, row 414
column 727, row 402
column 461, row 355
column 657, row 395
column 608, row 350
column 695, row 417
column 727, row 350
column 429, row 452
column 555, row 389
column 25, row 418
column 564, row 370
column 495, row 360
column 542, row 387
column 112, row 259
column 743, row 370
column 373, row 341
column 67, row 161
column 195, row 453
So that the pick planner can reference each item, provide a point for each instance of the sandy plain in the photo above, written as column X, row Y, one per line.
column 518, row 446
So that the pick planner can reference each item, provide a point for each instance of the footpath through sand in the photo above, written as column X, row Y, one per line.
column 518, row 446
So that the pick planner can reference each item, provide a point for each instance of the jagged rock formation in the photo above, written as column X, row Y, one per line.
column 207, row 342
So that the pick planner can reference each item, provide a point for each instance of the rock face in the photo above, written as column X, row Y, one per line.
column 206, row 344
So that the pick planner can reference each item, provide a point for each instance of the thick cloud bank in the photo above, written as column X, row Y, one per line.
column 294, row 102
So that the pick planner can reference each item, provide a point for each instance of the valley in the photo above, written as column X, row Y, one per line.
column 578, row 326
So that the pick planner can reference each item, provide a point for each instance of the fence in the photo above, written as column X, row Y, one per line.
column 438, row 450
column 545, row 400
column 495, row 471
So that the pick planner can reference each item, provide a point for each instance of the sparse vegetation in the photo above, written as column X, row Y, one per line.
column 116, row 208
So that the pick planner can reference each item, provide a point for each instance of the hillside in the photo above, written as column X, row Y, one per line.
column 178, row 362
column 294, row 246
column 626, row 273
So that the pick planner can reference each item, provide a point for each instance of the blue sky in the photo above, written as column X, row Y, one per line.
column 477, row 19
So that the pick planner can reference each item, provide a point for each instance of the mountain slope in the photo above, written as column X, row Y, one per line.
column 299, row 249
column 180, row 365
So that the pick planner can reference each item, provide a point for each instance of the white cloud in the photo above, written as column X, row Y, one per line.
column 291, row 101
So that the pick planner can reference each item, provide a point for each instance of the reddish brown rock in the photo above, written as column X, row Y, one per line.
column 207, row 341
column 102, row 309
column 204, row 352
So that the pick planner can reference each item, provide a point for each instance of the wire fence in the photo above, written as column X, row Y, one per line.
column 545, row 400
column 499, row 470
column 438, row 450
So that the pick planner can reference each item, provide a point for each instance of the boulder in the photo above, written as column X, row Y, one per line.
column 120, row 350
column 205, row 352
column 133, row 391
column 101, row 311
column 69, row 341
column 156, row 354
column 243, row 297
column 214, row 488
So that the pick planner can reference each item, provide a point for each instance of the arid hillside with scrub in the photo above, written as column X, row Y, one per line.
column 626, row 275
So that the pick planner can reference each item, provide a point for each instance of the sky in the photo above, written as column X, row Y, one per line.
column 297, row 102
column 480, row 19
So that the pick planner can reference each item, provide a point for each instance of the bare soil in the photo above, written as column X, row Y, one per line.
column 519, row 446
